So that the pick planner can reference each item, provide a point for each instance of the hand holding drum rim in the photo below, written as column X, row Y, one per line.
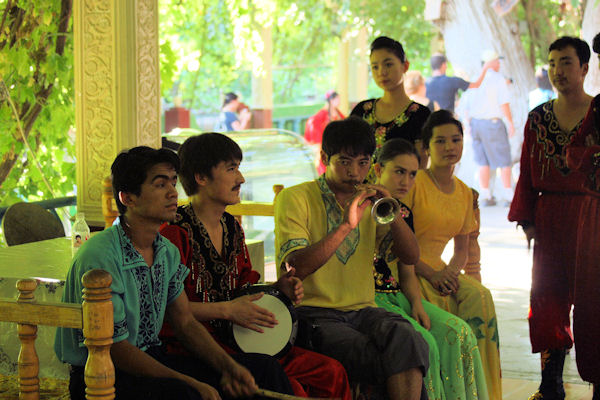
column 291, row 286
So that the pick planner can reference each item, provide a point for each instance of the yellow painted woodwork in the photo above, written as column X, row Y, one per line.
column 54, row 314
column 117, row 89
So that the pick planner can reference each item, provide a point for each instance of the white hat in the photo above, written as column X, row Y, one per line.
column 489, row 55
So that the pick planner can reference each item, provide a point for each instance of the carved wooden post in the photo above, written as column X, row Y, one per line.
column 98, row 329
column 29, row 367
column 473, row 267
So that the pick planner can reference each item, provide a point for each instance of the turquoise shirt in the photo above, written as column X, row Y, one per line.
column 139, row 294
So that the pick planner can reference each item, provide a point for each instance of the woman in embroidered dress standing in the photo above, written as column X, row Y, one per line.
column 455, row 369
column 393, row 115
column 442, row 207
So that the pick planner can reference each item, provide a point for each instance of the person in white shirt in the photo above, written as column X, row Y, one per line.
column 490, row 135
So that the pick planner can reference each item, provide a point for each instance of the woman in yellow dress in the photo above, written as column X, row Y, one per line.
column 442, row 207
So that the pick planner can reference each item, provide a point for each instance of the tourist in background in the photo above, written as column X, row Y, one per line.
column 543, row 91
column 316, row 124
column 414, row 84
column 235, row 115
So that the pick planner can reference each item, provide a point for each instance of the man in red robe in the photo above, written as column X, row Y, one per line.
column 546, row 205
column 211, row 243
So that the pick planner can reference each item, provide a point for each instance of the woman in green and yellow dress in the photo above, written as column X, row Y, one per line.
column 455, row 369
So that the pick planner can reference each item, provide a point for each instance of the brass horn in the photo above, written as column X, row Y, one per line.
column 384, row 210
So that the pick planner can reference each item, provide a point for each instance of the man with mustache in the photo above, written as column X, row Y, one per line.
column 211, row 243
column 147, row 288
column 324, row 231
column 547, row 203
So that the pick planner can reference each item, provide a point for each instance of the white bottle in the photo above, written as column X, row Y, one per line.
column 80, row 232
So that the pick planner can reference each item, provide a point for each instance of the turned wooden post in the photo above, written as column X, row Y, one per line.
column 29, row 364
column 276, row 190
column 98, row 329
column 473, row 267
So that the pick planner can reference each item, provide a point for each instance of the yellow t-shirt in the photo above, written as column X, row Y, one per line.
column 438, row 216
column 304, row 214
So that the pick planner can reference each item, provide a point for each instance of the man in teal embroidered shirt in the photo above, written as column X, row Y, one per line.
column 147, row 287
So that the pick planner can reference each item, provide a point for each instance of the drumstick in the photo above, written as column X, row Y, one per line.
column 282, row 396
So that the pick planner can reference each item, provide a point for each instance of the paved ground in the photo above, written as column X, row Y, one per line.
column 506, row 270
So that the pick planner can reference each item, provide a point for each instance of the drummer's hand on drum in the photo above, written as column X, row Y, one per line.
column 237, row 381
column 244, row 312
column 291, row 286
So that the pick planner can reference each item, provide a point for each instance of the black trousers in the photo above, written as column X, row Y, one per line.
column 267, row 373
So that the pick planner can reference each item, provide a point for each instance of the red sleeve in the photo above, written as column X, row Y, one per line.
column 247, row 274
column 522, row 207
column 179, row 237
column 580, row 156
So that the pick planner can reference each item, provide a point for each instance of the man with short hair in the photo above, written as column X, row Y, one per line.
column 211, row 243
column 547, row 203
column 491, row 149
column 323, row 229
column 442, row 88
column 147, row 286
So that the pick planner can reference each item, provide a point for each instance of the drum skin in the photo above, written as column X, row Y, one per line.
column 276, row 341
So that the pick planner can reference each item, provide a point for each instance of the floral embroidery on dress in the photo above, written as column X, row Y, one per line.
column 382, row 129
column 384, row 280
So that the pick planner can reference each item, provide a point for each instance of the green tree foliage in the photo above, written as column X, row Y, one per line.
column 197, row 50
column 36, row 99
column 544, row 21
column 210, row 47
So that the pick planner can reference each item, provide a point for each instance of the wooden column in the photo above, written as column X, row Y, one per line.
column 117, row 89
column 28, row 363
column 343, row 72
column 358, row 62
column 262, row 84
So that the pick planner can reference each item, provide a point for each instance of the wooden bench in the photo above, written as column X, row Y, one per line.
column 94, row 316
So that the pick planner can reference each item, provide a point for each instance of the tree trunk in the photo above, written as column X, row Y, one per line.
column 471, row 26
column 589, row 28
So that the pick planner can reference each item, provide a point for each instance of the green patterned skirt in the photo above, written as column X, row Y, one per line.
column 455, row 369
